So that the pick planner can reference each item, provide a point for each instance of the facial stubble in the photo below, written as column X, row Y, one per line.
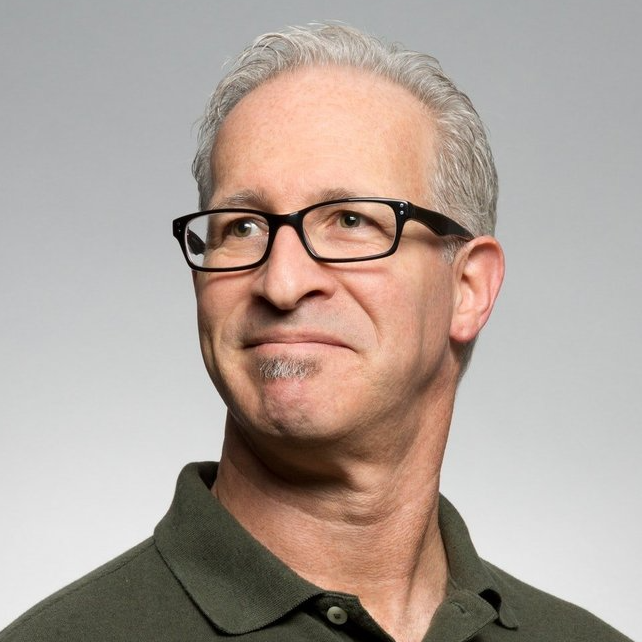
column 282, row 367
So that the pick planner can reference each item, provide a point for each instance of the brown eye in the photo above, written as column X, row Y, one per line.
column 244, row 228
column 350, row 220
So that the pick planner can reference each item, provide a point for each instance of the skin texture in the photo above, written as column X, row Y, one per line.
column 347, row 453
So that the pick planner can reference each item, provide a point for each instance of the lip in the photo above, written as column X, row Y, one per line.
column 294, row 337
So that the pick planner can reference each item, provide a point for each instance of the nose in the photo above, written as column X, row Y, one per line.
column 291, row 275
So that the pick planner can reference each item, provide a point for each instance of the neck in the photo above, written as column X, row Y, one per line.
column 369, row 527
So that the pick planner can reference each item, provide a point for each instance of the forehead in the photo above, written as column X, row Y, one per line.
column 307, row 129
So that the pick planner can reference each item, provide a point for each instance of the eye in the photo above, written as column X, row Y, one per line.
column 350, row 219
column 244, row 228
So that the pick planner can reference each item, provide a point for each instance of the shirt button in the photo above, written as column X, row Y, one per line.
column 337, row 615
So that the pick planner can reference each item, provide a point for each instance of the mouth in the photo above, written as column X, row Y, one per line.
column 288, row 340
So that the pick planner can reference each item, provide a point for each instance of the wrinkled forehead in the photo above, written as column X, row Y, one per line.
column 323, row 124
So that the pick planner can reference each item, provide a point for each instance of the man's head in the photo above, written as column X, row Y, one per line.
column 338, row 352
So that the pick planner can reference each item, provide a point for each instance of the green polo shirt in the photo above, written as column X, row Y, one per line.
column 202, row 577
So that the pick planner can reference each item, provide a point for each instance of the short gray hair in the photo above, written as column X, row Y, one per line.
column 464, row 184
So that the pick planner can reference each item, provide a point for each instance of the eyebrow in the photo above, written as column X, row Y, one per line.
column 257, row 199
column 244, row 198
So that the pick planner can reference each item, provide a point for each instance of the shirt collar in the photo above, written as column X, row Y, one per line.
column 241, row 586
column 234, row 580
column 468, row 572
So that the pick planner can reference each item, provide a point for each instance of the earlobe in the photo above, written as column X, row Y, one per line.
column 478, row 274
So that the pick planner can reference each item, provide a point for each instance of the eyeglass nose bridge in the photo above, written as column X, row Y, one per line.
column 278, row 221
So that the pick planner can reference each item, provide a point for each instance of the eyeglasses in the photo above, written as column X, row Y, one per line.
column 337, row 231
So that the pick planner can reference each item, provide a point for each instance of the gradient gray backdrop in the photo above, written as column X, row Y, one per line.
column 104, row 396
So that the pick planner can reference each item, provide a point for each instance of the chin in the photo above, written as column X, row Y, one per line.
column 287, row 410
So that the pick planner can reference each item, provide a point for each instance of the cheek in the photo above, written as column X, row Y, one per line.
column 214, row 308
column 206, row 339
column 412, row 313
column 216, row 324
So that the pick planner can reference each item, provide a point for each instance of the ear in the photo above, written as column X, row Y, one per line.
column 478, row 274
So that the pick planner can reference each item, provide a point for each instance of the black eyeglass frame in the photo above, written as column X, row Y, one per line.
column 404, row 211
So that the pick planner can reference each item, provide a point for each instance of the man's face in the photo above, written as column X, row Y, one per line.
column 318, row 351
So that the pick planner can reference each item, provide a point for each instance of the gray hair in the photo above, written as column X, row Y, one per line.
column 464, row 184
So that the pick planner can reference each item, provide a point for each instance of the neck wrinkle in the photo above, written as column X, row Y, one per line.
column 347, row 537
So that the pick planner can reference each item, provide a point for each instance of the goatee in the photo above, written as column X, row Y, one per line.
column 288, row 368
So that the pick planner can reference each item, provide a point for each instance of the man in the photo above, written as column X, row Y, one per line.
column 343, row 263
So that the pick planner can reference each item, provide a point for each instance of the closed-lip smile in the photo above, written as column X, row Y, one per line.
column 293, row 337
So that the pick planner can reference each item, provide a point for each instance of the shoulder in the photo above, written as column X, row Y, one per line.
column 130, row 594
column 542, row 616
column 86, row 599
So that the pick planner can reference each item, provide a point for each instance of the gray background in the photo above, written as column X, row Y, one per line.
column 104, row 397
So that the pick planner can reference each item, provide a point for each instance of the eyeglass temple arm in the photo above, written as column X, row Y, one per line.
column 195, row 243
column 440, row 224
